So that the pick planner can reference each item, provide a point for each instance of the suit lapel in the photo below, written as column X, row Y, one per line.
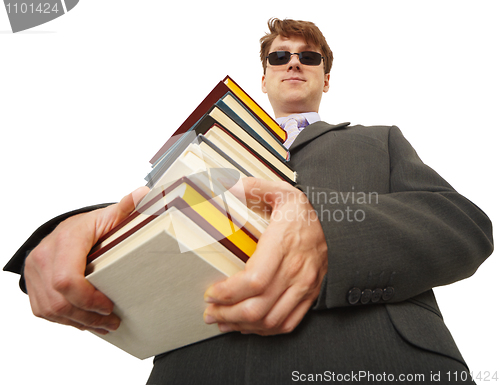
column 314, row 130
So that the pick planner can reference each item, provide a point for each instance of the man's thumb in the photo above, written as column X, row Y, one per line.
column 130, row 201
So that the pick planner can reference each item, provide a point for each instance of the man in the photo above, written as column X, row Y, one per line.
column 340, row 285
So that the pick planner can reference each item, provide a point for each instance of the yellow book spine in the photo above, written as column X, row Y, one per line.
column 255, row 108
column 219, row 221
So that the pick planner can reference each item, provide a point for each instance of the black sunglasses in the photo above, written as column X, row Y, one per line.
column 307, row 58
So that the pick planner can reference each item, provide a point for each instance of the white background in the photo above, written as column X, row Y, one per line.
column 87, row 99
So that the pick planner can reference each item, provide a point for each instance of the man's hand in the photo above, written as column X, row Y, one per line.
column 283, row 277
column 54, row 270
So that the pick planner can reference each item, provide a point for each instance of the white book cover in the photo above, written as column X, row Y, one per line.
column 156, row 278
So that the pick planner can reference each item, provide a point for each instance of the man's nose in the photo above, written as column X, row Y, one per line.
column 294, row 61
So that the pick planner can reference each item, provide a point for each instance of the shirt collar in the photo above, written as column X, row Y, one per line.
column 311, row 117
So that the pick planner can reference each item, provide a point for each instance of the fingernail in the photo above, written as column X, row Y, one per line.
column 207, row 296
column 225, row 328
column 209, row 299
column 112, row 326
column 101, row 331
column 208, row 319
column 104, row 311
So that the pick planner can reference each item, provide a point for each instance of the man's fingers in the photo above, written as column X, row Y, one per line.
column 269, row 302
column 283, row 318
column 55, row 270
column 255, row 191
column 286, row 313
column 266, row 311
column 230, row 291
column 139, row 194
column 257, row 276
column 53, row 306
column 67, row 274
column 51, row 273
column 112, row 215
column 131, row 201
column 85, row 320
column 74, row 244
column 81, row 294
column 250, row 310
column 296, row 316
column 91, row 320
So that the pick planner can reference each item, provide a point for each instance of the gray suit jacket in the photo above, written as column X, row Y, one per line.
column 395, row 229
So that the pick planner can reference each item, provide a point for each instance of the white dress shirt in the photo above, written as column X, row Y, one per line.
column 311, row 117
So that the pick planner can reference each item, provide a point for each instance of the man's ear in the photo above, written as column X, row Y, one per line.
column 326, row 85
column 263, row 85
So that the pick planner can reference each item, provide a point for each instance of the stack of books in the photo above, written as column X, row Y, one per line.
column 189, row 231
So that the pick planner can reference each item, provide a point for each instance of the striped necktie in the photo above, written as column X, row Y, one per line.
column 292, row 125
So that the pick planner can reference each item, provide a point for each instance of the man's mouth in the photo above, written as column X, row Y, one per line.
column 293, row 79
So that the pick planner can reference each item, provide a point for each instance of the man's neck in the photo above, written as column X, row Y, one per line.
column 284, row 114
column 311, row 117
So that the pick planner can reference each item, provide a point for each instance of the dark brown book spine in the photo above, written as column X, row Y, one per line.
column 219, row 91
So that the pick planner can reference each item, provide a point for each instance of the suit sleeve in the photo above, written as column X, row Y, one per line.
column 420, row 235
column 16, row 263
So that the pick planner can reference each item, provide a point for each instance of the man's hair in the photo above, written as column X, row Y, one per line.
column 288, row 28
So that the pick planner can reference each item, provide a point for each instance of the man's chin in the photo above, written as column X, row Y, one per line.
column 291, row 100
column 298, row 102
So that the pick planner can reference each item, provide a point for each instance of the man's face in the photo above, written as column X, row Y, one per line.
column 294, row 87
